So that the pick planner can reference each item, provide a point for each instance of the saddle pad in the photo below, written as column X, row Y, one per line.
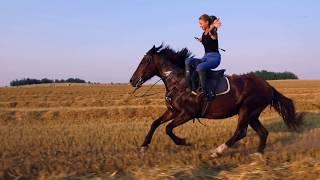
column 223, row 86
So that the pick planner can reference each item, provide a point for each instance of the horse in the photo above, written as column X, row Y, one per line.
column 249, row 95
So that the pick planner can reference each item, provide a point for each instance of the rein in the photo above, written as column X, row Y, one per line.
column 167, row 75
column 145, row 93
column 141, row 82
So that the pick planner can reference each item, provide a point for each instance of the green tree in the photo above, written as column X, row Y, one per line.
column 268, row 75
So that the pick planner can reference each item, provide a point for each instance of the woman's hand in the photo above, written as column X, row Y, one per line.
column 216, row 23
column 198, row 39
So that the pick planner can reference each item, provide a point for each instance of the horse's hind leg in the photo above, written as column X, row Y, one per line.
column 239, row 133
column 179, row 120
column 261, row 131
column 168, row 115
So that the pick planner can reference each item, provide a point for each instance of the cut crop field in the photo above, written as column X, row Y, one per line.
column 83, row 131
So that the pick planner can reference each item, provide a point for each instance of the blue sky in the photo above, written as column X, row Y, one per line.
column 104, row 41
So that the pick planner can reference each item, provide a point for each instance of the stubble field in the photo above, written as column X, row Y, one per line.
column 93, row 131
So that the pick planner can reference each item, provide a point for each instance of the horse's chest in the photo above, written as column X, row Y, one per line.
column 170, row 98
column 176, row 100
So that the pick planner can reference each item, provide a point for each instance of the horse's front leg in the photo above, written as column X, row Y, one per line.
column 179, row 120
column 168, row 115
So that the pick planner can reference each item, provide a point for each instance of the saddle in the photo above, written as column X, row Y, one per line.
column 216, row 81
column 215, row 74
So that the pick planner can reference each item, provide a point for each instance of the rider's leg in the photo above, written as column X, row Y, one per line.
column 202, row 79
column 190, row 63
column 195, row 81
column 211, row 61
column 188, row 75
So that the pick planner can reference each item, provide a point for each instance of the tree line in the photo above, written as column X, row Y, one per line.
column 29, row 81
column 268, row 75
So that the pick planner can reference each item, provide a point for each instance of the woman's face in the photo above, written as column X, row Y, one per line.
column 203, row 24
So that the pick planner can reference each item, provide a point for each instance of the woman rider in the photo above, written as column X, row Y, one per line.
column 211, row 58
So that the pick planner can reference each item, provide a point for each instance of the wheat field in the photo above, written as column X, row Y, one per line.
column 92, row 132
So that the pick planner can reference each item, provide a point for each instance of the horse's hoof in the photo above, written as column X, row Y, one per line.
column 218, row 151
column 257, row 155
column 184, row 142
column 143, row 149
column 215, row 155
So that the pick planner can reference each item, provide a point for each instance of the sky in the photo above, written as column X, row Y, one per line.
column 103, row 41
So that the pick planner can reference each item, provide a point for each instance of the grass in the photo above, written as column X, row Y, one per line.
column 81, row 131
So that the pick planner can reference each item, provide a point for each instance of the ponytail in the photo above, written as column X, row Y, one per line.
column 208, row 18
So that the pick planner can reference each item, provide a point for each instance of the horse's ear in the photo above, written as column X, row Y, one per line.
column 161, row 45
column 158, row 48
column 152, row 50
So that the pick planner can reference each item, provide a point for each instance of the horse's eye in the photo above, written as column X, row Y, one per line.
column 145, row 60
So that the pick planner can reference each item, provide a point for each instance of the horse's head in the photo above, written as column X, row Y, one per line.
column 146, row 69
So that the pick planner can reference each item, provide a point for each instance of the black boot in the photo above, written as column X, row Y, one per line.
column 195, row 82
column 214, row 86
column 207, row 92
column 188, row 78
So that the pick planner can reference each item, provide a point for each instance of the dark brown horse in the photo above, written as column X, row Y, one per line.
column 248, row 97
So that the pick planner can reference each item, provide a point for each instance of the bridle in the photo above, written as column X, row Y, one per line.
column 167, row 75
column 141, row 81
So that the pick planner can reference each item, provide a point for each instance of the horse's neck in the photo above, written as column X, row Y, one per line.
column 171, row 76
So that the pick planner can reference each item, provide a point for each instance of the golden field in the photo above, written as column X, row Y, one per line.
column 93, row 131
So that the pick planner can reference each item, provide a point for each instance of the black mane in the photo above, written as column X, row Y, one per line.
column 175, row 57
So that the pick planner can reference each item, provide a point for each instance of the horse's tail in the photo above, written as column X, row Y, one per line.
column 286, row 109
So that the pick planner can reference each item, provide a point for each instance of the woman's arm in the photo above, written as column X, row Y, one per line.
column 216, row 24
column 214, row 27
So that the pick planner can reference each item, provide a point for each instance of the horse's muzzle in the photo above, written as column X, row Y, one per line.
column 137, row 83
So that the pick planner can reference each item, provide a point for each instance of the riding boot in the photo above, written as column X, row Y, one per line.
column 214, row 88
column 188, row 78
column 195, row 83
column 206, row 91
column 202, row 79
